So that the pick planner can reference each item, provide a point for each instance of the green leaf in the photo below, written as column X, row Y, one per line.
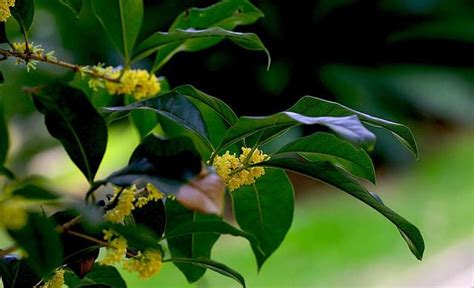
column 213, row 226
column 225, row 14
column 328, row 173
column 33, row 192
column 212, row 265
column 105, row 275
column 24, row 12
column 74, row 5
column 161, row 40
column 72, row 119
column 6, row 172
column 3, row 38
column 122, row 20
column 152, row 216
column 314, row 107
column 264, row 128
column 138, row 236
column 265, row 209
column 327, row 147
column 41, row 242
column 196, row 245
column 10, row 270
column 172, row 105
column 4, row 137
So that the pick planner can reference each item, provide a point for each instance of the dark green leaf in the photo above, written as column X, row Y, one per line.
column 15, row 273
column 314, row 107
column 138, row 236
column 74, row 5
column 152, row 216
column 24, row 12
column 265, row 209
column 327, row 147
column 122, row 20
column 213, row 226
column 41, row 241
column 328, row 173
column 6, row 172
column 172, row 105
column 348, row 127
column 196, row 245
column 34, row 192
column 225, row 14
column 72, row 119
column 3, row 39
column 213, row 265
column 4, row 137
column 161, row 40
column 107, row 276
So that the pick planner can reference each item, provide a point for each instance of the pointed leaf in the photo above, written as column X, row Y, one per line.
column 327, row 147
column 104, row 275
column 72, row 119
column 161, row 40
column 328, row 173
column 213, row 265
column 41, row 242
column 315, row 107
column 265, row 209
column 348, row 127
column 195, row 245
column 24, row 12
column 122, row 20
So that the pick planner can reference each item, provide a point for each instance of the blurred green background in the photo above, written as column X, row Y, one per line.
column 408, row 61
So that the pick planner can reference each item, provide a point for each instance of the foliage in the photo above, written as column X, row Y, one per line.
column 167, row 204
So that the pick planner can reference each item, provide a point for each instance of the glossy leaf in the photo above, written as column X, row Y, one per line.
column 213, row 226
column 24, row 12
column 328, row 173
column 105, row 275
column 348, row 127
column 41, row 242
column 74, row 5
column 172, row 105
column 122, row 20
column 34, row 192
column 225, row 14
column 265, row 209
column 315, row 107
column 196, row 245
column 4, row 137
column 212, row 265
column 71, row 118
column 327, row 147
column 161, row 40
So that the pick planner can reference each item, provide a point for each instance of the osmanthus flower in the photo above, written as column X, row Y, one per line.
column 57, row 281
column 138, row 83
column 116, row 249
column 235, row 171
column 5, row 6
column 146, row 264
column 13, row 214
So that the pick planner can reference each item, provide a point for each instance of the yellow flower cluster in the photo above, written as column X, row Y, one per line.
column 57, row 281
column 233, row 170
column 12, row 214
column 138, row 83
column 147, row 264
column 5, row 6
column 116, row 250
column 129, row 199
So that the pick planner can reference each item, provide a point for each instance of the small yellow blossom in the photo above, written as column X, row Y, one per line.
column 5, row 6
column 124, row 205
column 13, row 214
column 146, row 265
column 34, row 50
column 151, row 193
column 136, row 82
column 116, row 250
column 57, row 281
column 231, row 168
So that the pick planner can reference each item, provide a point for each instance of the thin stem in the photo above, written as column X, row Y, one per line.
column 28, row 56
column 94, row 240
